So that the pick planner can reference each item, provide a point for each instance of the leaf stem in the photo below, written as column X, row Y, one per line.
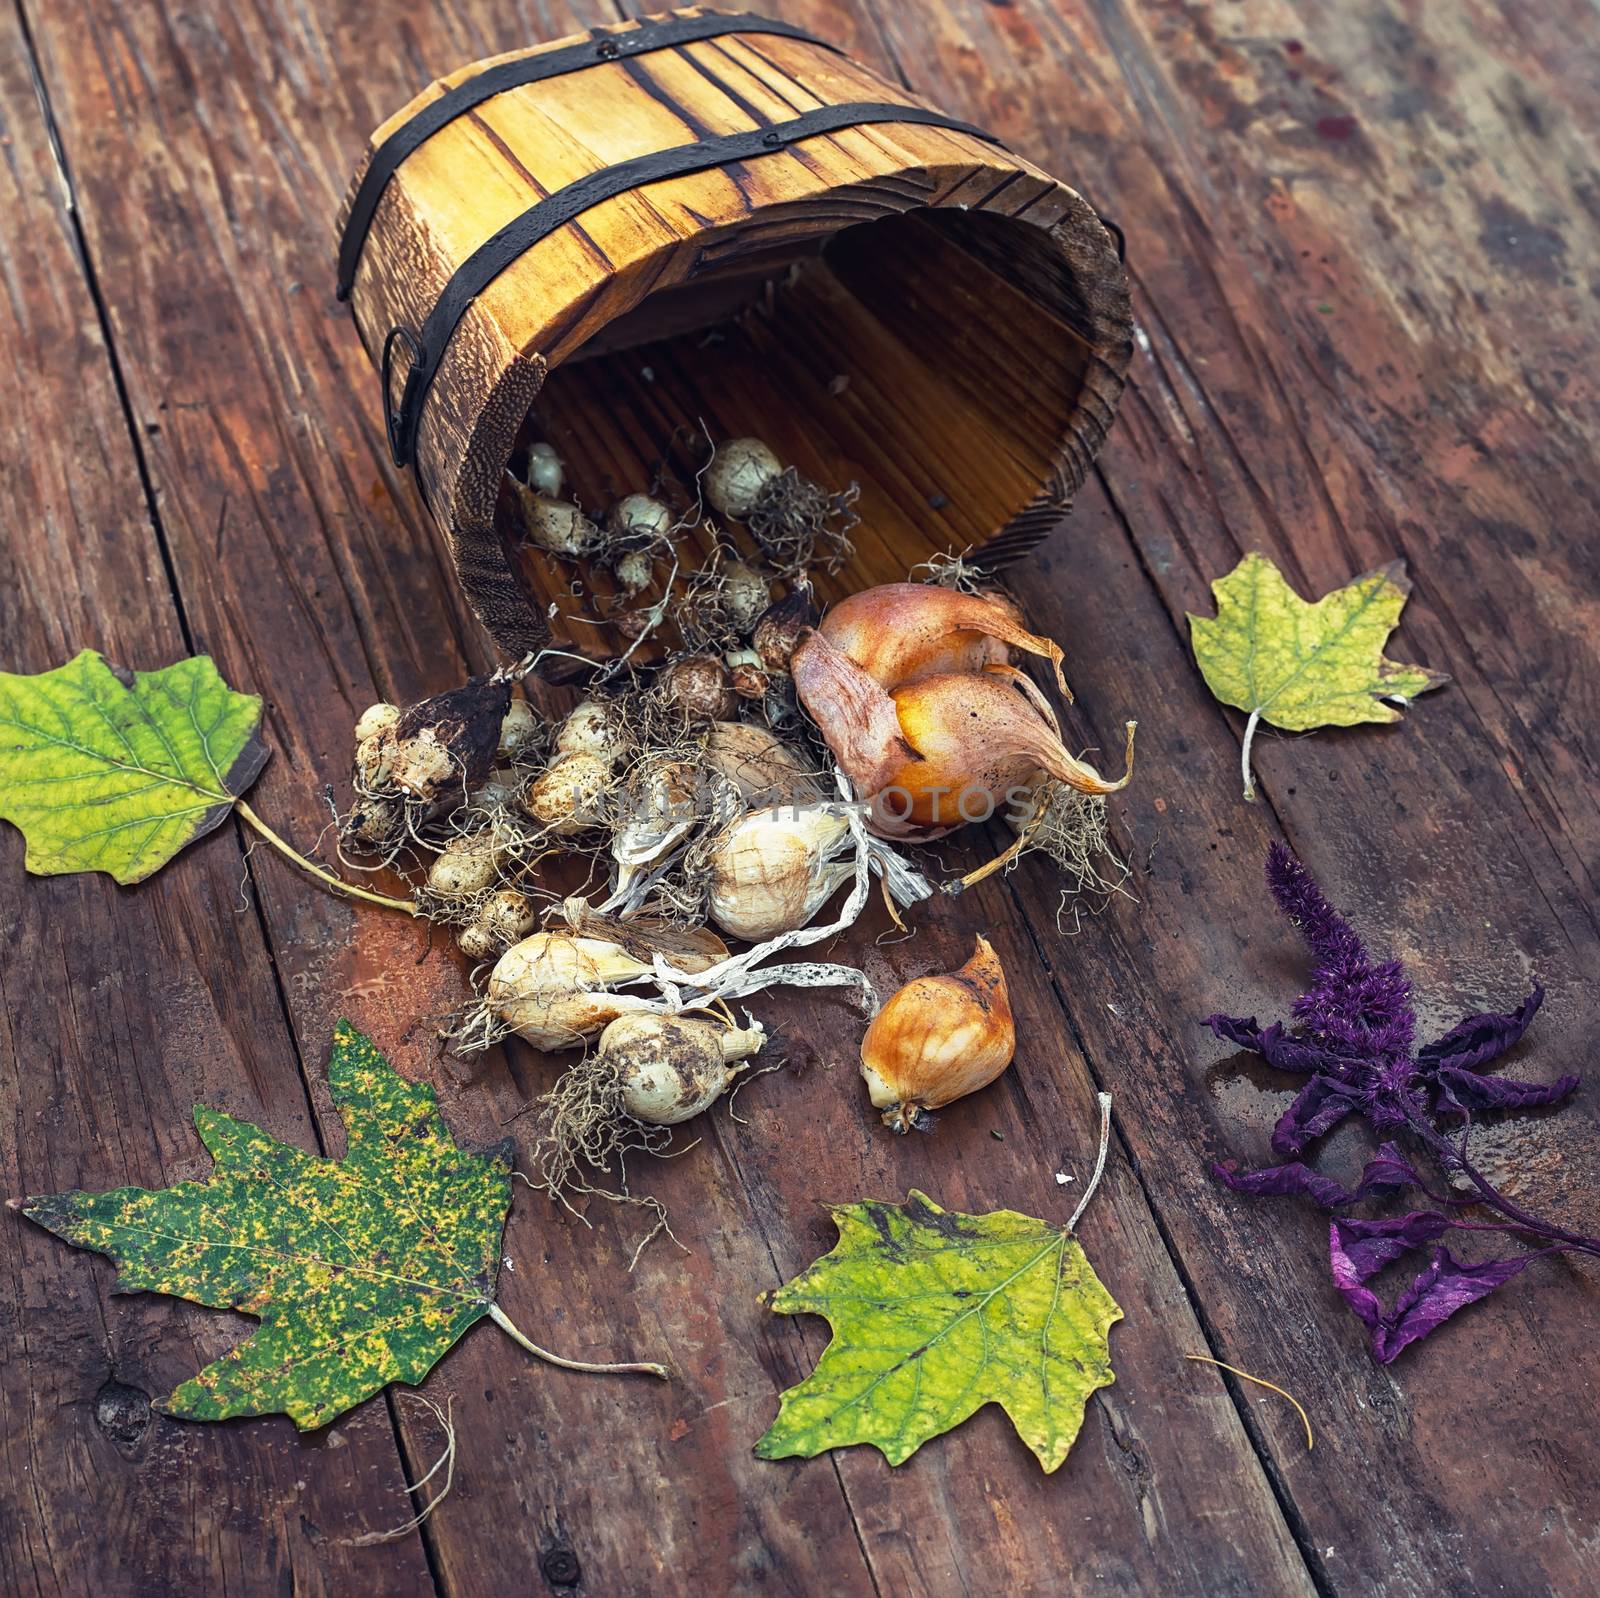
column 641, row 1368
column 1244, row 756
column 1099, row 1163
column 283, row 846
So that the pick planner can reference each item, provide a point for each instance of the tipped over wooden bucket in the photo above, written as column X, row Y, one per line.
column 701, row 225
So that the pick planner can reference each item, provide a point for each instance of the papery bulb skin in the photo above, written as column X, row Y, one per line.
column 747, row 674
column 699, row 687
column 780, row 629
column 745, row 595
column 740, row 468
column 640, row 516
column 553, row 988
column 937, row 752
column 465, row 867
column 902, row 632
column 662, row 802
column 938, row 1039
column 568, row 798
column 765, row 770
column 437, row 750
column 976, row 742
column 375, row 719
column 772, row 870
column 554, row 524
column 521, row 731
column 593, row 728
column 854, row 714
column 545, row 471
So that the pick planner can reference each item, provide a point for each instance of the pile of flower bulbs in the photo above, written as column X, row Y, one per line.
column 732, row 801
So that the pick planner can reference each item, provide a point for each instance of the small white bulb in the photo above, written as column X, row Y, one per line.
column 519, row 731
column 545, row 471
column 740, row 468
column 593, row 728
column 641, row 516
column 374, row 719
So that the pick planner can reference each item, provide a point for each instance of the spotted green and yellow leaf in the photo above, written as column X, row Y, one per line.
column 936, row 1314
column 104, row 770
column 362, row 1271
column 1300, row 665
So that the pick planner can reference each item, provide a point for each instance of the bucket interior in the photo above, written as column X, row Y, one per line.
column 936, row 358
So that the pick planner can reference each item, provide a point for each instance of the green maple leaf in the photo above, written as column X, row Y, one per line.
column 1301, row 665
column 363, row 1271
column 936, row 1314
column 110, row 771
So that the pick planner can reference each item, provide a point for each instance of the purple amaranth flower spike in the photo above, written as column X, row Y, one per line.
column 1355, row 1029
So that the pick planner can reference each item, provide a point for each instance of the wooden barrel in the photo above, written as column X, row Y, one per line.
column 704, row 224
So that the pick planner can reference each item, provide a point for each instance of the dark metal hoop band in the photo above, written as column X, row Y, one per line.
column 520, row 234
column 601, row 47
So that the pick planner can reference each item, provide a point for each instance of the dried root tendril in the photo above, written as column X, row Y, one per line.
column 474, row 1028
column 951, row 570
column 1073, row 830
column 445, row 1462
column 584, row 1132
column 703, row 614
column 799, row 524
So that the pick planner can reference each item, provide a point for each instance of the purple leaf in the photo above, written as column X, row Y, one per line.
column 1442, row 1287
column 1386, row 1170
column 1277, row 1046
column 1285, row 1052
column 1241, row 1032
column 1461, row 1091
column 1294, row 1178
column 1471, row 1044
column 1320, row 1106
column 1361, row 1249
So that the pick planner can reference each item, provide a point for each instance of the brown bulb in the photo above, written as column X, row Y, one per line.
column 780, row 630
column 699, row 686
column 901, row 632
column 938, row 1039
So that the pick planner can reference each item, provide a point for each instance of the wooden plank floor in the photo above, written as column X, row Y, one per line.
column 1364, row 248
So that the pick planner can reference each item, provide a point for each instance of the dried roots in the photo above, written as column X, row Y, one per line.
column 799, row 524
column 584, row 1132
column 1073, row 830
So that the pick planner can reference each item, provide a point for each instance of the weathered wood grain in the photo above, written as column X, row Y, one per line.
column 1062, row 292
column 818, row 1124
column 307, row 584
column 118, row 1012
column 559, row 1466
column 1362, row 261
column 1361, row 253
